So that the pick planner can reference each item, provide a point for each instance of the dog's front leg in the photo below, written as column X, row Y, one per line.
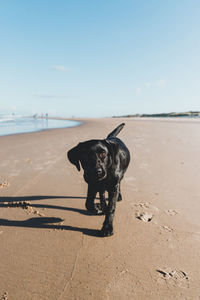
column 102, row 200
column 91, row 194
column 120, row 195
column 89, row 204
column 107, row 229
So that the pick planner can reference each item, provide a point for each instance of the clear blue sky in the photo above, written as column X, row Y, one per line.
column 99, row 58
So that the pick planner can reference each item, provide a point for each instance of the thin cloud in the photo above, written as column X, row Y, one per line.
column 60, row 68
column 161, row 82
column 138, row 90
column 51, row 96
column 13, row 107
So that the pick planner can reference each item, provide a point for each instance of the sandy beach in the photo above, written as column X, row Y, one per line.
column 50, row 246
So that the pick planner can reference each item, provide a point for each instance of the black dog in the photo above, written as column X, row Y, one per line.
column 104, row 163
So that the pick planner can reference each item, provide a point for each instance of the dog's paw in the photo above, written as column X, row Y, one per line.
column 96, row 208
column 107, row 230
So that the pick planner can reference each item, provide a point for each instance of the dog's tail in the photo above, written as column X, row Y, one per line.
column 116, row 131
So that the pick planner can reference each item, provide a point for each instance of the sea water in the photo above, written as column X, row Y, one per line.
column 13, row 124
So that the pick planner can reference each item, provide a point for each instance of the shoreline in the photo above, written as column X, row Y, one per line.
column 50, row 241
column 44, row 129
column 81, row 121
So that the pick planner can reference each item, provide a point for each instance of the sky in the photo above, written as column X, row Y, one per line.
column 89, row 58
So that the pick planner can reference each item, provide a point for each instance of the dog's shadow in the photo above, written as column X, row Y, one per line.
column 43, row 222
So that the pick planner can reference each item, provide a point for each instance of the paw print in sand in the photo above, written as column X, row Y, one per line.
column 145, row 212
column 174, row 277
column 4, row 184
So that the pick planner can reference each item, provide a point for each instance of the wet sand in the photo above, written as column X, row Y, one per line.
column 50, row 246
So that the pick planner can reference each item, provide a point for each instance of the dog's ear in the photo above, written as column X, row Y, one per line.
column 74, row 156
column 113, row 149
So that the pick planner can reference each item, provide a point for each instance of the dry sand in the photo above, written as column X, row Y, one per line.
column 50, row 247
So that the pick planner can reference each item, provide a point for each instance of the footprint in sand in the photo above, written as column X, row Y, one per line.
column 4, row 184
column 4, row 296
column 171, row 212
column 24, row 205
column 166, row 228
column 145, row 211
column 145, row 217
column 174, row 277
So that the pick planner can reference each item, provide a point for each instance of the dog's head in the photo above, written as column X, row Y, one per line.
column 96, row 158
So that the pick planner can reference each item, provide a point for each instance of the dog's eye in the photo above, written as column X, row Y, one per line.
column 102, row 155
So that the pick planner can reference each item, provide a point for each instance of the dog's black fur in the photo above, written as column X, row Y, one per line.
column 104, row 163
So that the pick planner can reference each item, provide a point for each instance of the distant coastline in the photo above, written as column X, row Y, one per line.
column 189, row 114
column 15, row 124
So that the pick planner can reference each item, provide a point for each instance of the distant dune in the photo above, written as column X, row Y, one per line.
column 164, row 115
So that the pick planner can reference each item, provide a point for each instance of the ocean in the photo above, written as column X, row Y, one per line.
column 13, row 124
